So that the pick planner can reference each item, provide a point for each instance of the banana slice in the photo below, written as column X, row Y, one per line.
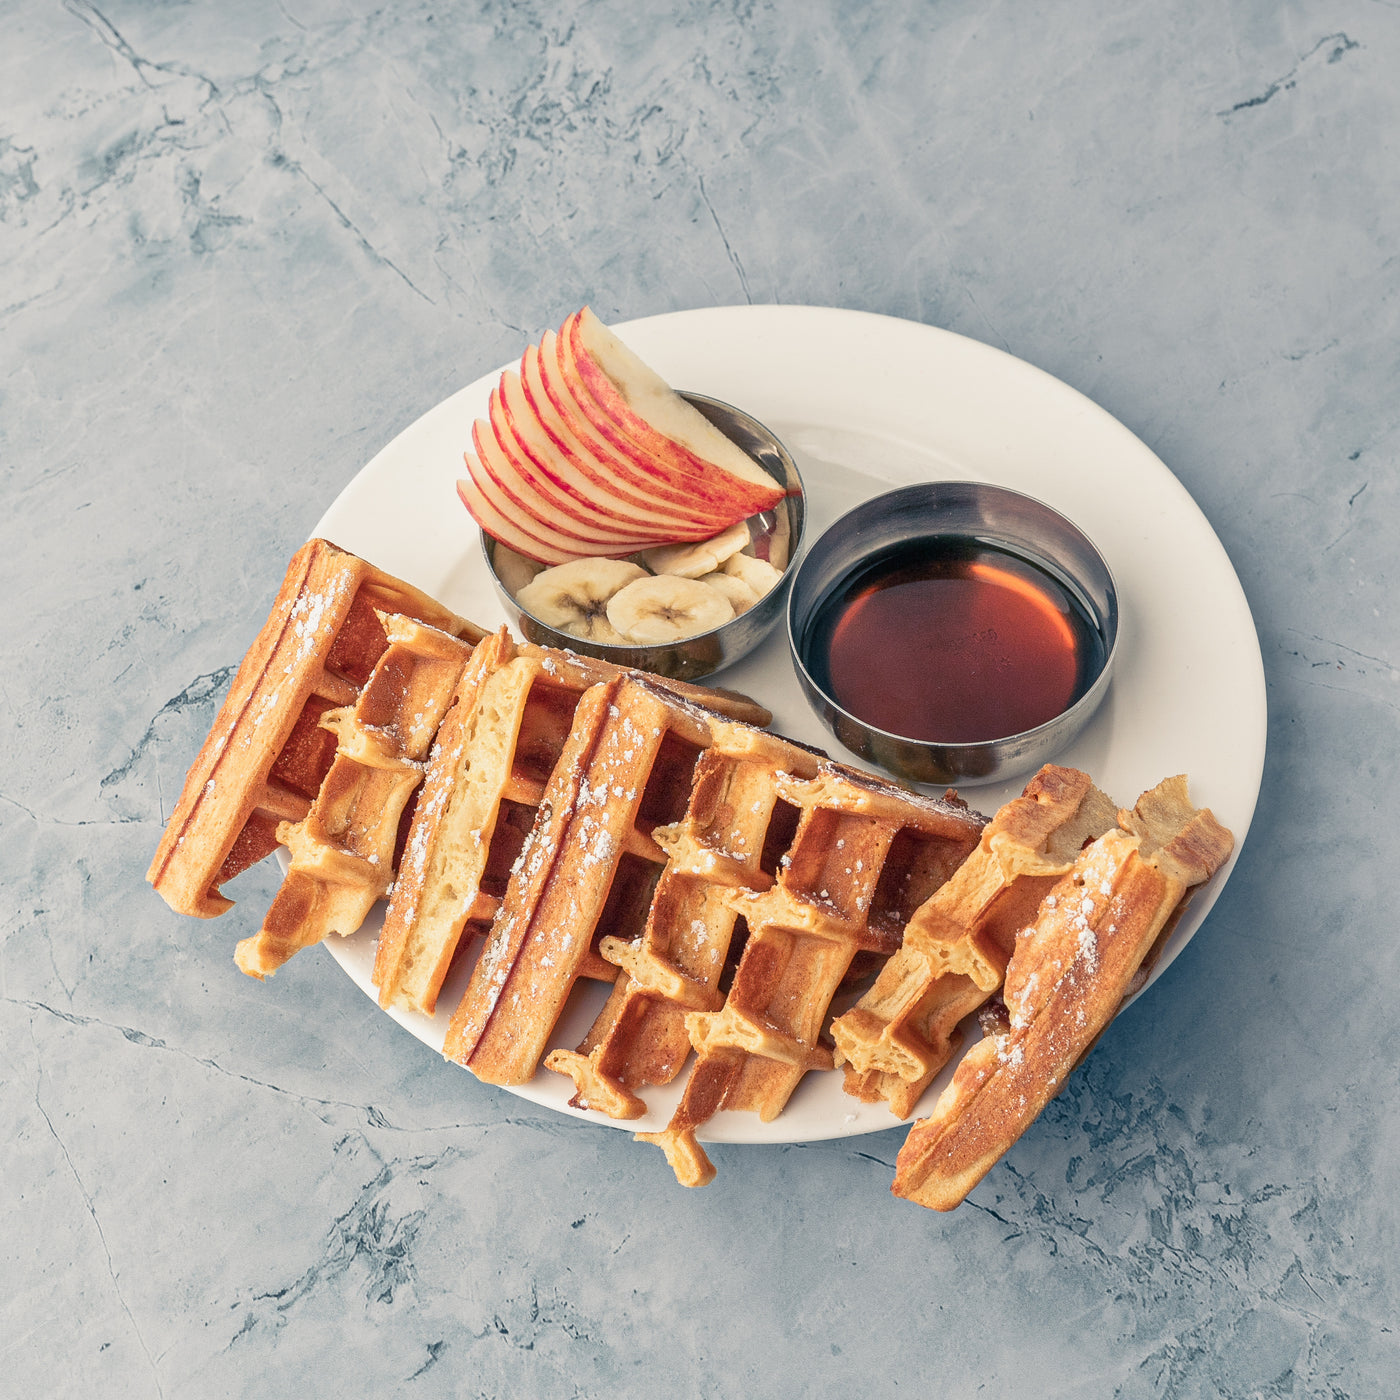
column 741, row 596
column 759, row 574
column 574, row 597
column 701, row 557
column 514, row 570
column 666, row 608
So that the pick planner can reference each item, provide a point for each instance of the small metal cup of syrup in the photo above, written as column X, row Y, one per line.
column 954, row 632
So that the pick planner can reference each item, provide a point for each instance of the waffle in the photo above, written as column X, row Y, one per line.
column 343, row 851
column 735, row 830
column 510, row 723
column 905, row 1028
column 664, row 831
column 1066, row 979
column 587, row 870
column 864, row 855
column 267, row 754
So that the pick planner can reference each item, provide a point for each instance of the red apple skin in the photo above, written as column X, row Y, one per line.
column 682, row 477
column 705, row 492
column 727, row 505
column 534, row 495
column 634, row 475
column 521, row 438
column 560, row 478
column 611, row 414
column 567, row 469
column 504, row 531
column 587, row 344
column 496, row 482
column 493, row 480
column 570, row 448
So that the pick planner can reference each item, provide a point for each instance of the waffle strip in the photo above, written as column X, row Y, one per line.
column 266, row 756
column 865, row 854
column 587, row 870
column 509, row 725
column 1065, row 981
column 904, row 1029
column 674, row 967
column 342, row 851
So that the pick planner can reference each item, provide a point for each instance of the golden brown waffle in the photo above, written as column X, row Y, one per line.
column 267, row 754
column 501, row 740
column 735, row 830
column 343, row 851
column 1065, row 981
column 864, row 855
column 905, row 1028
column 665, row 831
column 587, row 870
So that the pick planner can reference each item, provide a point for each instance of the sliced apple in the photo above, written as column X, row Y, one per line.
column 636, row 400
column 535, row 493
column 574, row 441
column 519, row 434
column 495, row 479
column 501, row 485
column 637, row 475
column 559, row 470
column 495, row 469
column 586, row 453
column 681, row 475
column 482, row 509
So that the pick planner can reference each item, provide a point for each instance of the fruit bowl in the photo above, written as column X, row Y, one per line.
column 776, row 536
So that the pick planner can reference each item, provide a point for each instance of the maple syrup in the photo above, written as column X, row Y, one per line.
column 952, row 640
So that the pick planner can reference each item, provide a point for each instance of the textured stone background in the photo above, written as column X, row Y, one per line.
column 241, row 246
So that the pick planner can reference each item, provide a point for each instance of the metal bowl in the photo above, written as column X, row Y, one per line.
column 990, row 515
column 702, row 655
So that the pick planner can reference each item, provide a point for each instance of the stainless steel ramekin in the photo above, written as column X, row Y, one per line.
column 992, row 515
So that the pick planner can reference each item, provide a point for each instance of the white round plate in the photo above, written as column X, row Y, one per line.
column 867, row 403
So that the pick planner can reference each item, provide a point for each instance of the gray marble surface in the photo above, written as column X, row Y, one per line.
column 242, row 246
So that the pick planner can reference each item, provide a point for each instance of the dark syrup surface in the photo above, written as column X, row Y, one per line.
column 952, row 640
